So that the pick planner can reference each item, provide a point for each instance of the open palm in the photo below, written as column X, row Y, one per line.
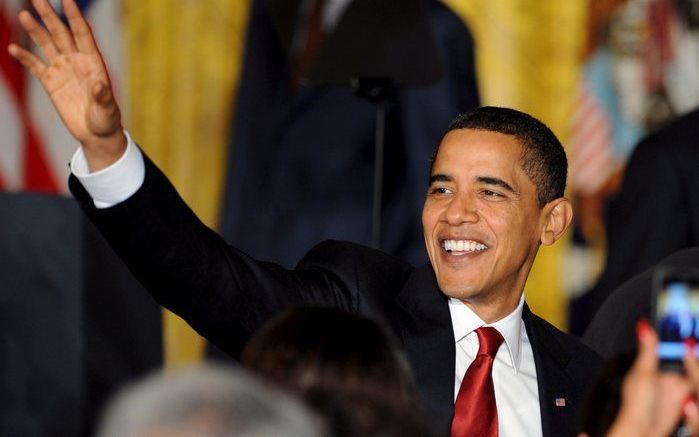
column 73, row 74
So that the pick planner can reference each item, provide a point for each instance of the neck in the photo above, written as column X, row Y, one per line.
column 492, row 311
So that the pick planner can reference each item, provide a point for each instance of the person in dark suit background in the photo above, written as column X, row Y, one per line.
column 299, row 142
column 495, row 196
column 656, row 212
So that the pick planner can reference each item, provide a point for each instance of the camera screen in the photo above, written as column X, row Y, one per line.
column 677, row 317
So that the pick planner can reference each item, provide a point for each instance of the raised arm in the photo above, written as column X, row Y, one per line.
column 74, row 75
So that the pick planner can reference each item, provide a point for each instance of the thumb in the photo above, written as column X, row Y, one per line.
column 101, row 93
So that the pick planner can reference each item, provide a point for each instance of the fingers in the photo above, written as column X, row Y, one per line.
column 28, row 59
column 691, row 412
column 691, row 416
column 639, row 388
column 62, row 37
column 673, row 391
column 59, row 39
column 81, row 30
column 692, row 367
column 647, row 359
column 38, row 34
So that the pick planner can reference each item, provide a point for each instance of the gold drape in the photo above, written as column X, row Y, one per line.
column 183, row 59
column 529, row 58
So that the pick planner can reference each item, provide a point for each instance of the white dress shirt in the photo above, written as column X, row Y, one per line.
column 514, row 372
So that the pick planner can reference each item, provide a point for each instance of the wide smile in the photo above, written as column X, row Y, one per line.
column 457, row 247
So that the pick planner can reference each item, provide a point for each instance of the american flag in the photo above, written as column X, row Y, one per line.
column 34, row 146
column 592, row 160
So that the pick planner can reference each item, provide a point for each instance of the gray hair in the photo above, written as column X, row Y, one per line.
column 210, row 401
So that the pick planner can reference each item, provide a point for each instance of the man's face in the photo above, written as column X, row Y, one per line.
column 481, row 220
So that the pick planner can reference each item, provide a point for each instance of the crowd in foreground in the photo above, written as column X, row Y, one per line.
column 325, row 372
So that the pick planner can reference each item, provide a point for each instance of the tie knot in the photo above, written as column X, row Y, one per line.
column 489, row 340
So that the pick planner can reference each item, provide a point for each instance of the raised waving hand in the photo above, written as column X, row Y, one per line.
column 74, row 75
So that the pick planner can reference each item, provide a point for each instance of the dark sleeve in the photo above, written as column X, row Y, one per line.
column 188, row 268
column 649, row 218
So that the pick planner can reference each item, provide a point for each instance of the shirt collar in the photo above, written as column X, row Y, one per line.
column 465, row 321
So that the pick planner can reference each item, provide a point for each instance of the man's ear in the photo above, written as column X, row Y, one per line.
column 558, row 214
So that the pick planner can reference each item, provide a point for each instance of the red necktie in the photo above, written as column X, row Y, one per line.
column 313, row 32
column 475, row 412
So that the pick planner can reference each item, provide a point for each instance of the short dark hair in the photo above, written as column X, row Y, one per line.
column 332, row 350
column 543, row 157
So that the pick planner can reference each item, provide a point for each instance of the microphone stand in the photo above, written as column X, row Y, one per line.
column 378, row 46
column 377, row 90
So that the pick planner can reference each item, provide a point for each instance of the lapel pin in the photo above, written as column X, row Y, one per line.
column 560, row 402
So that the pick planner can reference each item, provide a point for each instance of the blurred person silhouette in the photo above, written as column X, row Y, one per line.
column 75, row 324
column 345, row 365
column 656, row 211
column 355, row 415
column 207, row 401
column 331, row 349
column 300, row 139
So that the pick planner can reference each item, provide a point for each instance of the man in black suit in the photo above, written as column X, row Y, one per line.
column 309, row 138
column 495, row 195
column 656, row 212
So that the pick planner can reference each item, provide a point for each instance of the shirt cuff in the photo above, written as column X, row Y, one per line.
column 115, row 183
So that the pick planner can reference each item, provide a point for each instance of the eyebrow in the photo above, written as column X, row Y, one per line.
column 489, row 180
column 439, row 177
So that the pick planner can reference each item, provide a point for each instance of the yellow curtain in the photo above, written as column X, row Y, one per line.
column 183, row 60
column 529, row 57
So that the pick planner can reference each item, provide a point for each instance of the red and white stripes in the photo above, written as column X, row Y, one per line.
column 34, row 146
column 592, row 161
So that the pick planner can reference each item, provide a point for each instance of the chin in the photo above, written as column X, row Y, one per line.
column 457, row 289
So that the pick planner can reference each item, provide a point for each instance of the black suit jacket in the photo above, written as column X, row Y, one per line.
column 226, row 295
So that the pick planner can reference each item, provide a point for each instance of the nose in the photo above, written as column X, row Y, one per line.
column 461, row 209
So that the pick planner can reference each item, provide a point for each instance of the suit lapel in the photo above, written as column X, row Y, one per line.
column 557, row 390
column 428, row 337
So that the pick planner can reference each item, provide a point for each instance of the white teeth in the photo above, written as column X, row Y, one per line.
column 463, row 246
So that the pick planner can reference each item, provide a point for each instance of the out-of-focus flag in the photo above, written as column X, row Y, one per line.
column 592, row 160
column 34, row 146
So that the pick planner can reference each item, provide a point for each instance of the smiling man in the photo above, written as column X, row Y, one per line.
column 483, row 363
column 495, row 194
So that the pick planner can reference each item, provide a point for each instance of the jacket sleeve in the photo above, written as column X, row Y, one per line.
column 188, row 268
